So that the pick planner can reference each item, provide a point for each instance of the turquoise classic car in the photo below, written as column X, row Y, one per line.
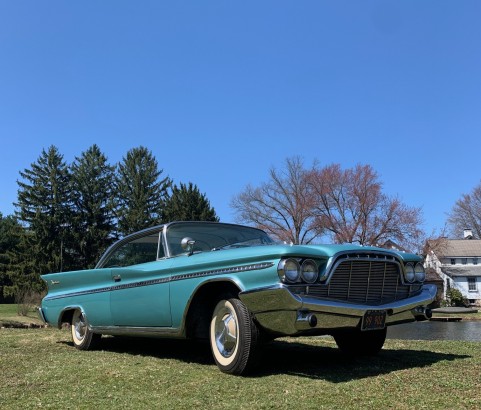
column 234, row 286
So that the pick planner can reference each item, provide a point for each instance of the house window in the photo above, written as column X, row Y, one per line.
column 475, row 261
column 453, row 261
column 472, row 285
column 464, row 261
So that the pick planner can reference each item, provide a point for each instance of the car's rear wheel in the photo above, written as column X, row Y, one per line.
column 358, row 343
column 82, row 336
column 233, row 337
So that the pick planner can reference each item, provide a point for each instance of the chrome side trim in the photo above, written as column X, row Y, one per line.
column 138, row 331
column 174, row 278
column 224, row 271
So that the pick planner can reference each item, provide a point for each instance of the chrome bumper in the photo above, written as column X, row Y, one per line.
column 283, row 312
column 41, row 315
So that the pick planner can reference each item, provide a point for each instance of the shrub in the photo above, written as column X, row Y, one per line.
column 456, row 298
column 27, row 301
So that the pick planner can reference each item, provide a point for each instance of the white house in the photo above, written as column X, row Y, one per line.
column 458, row 264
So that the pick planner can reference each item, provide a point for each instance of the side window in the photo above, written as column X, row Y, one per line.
column 140, row 250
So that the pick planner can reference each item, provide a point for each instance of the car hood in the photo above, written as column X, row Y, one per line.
column 313, row 251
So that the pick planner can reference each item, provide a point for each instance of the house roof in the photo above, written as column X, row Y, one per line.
column 393, row 245
column 432, row 276
column 462, row 248
column 457, row 270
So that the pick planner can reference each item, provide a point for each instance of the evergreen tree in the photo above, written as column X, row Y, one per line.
column 93, row 220
column 9, row 243
column 44, row 207
column 23, row 271
column 141, row 194
column 188, row 204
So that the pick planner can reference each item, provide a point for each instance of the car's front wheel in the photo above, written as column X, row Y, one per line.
column 233, row 337
column 361, row 343
column 82, row 336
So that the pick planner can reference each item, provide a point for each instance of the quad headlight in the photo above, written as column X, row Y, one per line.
column 419, row 272
column 292, row 271
column 309, row 271
column 409, row 273
column 289, row 270
column 414, row 272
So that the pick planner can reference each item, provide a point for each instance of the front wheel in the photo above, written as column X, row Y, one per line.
column 82, row 336
column 233, row 337
column 356, row 342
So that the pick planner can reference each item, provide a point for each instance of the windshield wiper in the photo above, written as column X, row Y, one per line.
column 230, row 246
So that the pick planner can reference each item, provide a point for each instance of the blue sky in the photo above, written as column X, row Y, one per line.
column 221, row 91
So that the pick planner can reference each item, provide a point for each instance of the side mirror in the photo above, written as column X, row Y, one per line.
column 187, row 245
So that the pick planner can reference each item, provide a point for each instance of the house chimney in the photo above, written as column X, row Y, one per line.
column 468, row 234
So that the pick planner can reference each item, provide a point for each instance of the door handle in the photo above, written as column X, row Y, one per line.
column 117, row 278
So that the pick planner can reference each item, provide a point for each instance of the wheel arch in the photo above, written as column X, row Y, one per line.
column 66, row 315
column 202, row 304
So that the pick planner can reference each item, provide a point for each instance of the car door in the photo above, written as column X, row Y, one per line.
column 140, row 295
column 140, row 283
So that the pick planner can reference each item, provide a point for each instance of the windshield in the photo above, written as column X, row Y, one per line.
column 214, row 236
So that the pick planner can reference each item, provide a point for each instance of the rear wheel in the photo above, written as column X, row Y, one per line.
column 82, row 336
column 358, row 343
column 233, row 337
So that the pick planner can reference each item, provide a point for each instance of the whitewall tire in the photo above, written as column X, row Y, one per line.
column 233, row 337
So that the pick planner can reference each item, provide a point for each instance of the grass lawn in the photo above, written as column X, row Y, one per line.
column 9, row 314
column 40, row 368
column 464, row 316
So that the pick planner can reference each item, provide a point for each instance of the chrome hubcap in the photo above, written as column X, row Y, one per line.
column 225, row 332
column 80, row 327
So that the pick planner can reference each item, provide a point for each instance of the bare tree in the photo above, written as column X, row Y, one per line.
column 282, row 206
column 436, row 245
column 466, row 214
column 350, row 205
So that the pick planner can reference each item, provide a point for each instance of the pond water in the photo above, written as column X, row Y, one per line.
column 463, row 330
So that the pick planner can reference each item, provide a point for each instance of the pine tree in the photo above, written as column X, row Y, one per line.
column 9, row 243
column 23, row 271
column 44, row 207
column 141, row 194
column 92, row 200
column 188, row 204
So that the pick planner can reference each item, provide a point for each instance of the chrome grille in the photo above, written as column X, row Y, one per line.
column 370, row 280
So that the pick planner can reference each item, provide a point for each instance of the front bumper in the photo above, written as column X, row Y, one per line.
column 282, row 312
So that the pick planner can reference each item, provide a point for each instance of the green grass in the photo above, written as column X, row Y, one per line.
column 464, row 316
column 9, row 315
column 41, row 368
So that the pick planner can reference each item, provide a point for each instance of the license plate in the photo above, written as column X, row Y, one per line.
column 374, row 319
